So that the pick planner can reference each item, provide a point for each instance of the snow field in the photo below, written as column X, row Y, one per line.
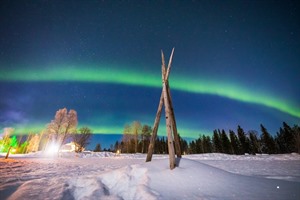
column 106, row 176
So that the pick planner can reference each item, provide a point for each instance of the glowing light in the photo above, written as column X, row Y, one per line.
column 118, row 152
column 105, row 74
column 52, row 149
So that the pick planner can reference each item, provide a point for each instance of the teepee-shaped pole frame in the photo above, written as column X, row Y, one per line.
column 166, row 100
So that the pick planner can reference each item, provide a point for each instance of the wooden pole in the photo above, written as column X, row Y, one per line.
column 174, row 126
column 168, row 117
column 173, row 120
column 158, row 113
column 155, row 128
column 165, row 99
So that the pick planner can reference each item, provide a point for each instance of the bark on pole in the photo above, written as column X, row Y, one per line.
column 174, row 126
column 155, row 128
column 165, row 99
column 173, row 120
column 158, row 113
column 168, row 118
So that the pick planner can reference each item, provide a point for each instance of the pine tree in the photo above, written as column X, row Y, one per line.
column 243, row 140
column 296, row 130
column 254, row 143
column 199, row 147
column 97, row 148
column 280, row 141
column 268, row 144
column 217, row 142
column 235, row 143
column 192, row 147
column 289, row 138
column 117, row 146
column 226, row 146
column 183, row 145
column 206, row 143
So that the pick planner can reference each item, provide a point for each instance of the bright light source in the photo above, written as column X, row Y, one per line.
column 14, row 150
column 118, row 152
column 52, row 149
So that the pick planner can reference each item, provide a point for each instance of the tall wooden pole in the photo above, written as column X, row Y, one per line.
column 155, row 128
column 165, row 99
column 173, row 120
column 168, row 116
column 174, row 126
column 158, row 113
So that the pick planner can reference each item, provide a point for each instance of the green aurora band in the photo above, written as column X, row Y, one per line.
column 99, row 74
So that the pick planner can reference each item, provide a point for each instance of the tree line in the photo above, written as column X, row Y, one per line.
column 136, row 139
column 61, row 129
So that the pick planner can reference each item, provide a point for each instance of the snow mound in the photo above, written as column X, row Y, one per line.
column 129, row 182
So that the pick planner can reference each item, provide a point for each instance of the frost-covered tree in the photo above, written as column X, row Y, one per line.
column 13, row 143
column 33, row 143
column 145, row 137
column 126, row 140
column 131, row 135
column 136, row 128
column 5, row 142
column 63, row 124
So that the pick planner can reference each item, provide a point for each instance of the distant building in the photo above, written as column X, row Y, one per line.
column 69, row 147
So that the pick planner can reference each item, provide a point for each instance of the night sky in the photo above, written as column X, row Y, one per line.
column 235, row 63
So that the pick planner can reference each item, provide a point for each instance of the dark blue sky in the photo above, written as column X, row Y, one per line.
column 235, row 63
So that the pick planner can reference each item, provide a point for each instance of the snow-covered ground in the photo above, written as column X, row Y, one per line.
column 107, row 176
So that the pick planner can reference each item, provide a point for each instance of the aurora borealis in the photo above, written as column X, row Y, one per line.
column 235, row 63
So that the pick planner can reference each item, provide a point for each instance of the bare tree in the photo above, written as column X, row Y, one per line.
column 82, row 138
column 136, row 130
column 145, row 136
column 7, row 141
column 63, row 124
column 33, row 143
column 126, row 138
